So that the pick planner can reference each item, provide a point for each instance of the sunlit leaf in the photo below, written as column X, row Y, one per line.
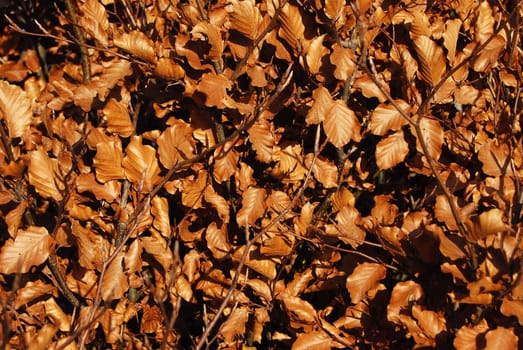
column 315, row 340
column 341, row 124
column 253, row 206
column 364, row 278
column 386, row 117
column 175, row 144
column 214, row 87
column 33, row 290
column 234, row 325
column 431, row 60
column 403, row 294
column 31, row 247
column 298, row 309
column 292, row 28
column 217, row 241
column 315, row 54
column 210, row 33
column 168, row 69
column 140, row 164
column 347, row 227
column 495, row 158
column 114, row 284
column 466, row 336
column 245, row 17
column 95, row 20
column 117, row 118
column 391, row 150
column 345, row 61
column 138, row 44
column 501, row 339
column 433, row 135
column 108, row 161
column 261, row 135
column 15, row 109
column 323, row 102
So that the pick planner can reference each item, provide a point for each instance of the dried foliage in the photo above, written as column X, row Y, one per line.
column 251, row 174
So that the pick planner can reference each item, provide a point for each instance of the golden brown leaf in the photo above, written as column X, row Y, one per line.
column 209, row 32
column 108, row 161
column 364, row 279
column 31, row 247
column 43, row 338
column 15, row 109
column 234, row 325
column 466, row 336
column 341, row 124
column 345, row 61
column 214, row 87
column 444, row 214
column 347, row 227
column 217, row 241
column 117, row 118
column 298, row 309
column 403, row 294
column 325, row 171
column 226, row 159
column 33, row 290
column 433, row 135
column 315, row 54
column 501, row 339
column 391, row 150
column 431, row 60
column 495, row 158
column 93, row 248
column 386, row 117
column 168, row 69
column 253, row 206
column 261, row 135
column 140, row 165
column 157, row 247
column 323, row 102
column 160, row 212
column 245, row 17
column 138, row 44
column 292, row 28
column 94, row 20
column 450, row 37
column 315, row 340
column 114, row 283
column 175, row 144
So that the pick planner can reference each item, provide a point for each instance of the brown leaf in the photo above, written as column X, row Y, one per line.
column 95, row 20
column 298, row 309
column 363, row 279
column 292, row 28
column 117, row 118
column 431, row 322
column 234, row 325
column 168, row 69
column 31, row 247
column 15, row 109
column 209, row 32
column 93, row 248
column 444, row 214
column 138, row 44
column 217, row 241
column 108, row 161
column 218, row 202
column 391, row 150
column 386, row 117
column 433, row 135
column 245, row 17
column 347, row 227
column 345, row 61
column 214, row 87
column 226, row 159
column 160, row 212
column 431, row 60
column 501, row 339
column 33, row 290
column 466, row 336
column 157, row 247
column 114, row 283
column 403, row 294
column 323, row 102
column 253, row 206
column 140, row 165
column 315, row 54
column 315, row 340
column 13, row 219
column 341, row 124
column 325, row 171
column 495, row 158
column 175, row 144
column 261, row 135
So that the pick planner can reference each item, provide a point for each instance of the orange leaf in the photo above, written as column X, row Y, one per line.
column 391, row 150
column 217, row 241
column 93, row 248
column 315, row 340
column 315, row 54
column 245, row 17
column 403, row 294
column 225, row 161
column 363, row 279
column 253, row 206
column 234, row 325
column 33, row 290
column 341, row 124
column 501, row 339
column 214, row 87
column 444, row 214
column 386, row 117
column 430, row 321
column 94, row 20
column 431, row 60
column 138, row 44
column 323, row 102
column 168, row 69
column 43, row 174
column 15, row 109
column 325, row 171
column 114, row 283
column 175, row 144
column 117, row 117
column 495, row 158
column 261, row 135
column 141, row 167
column 31, row 247
column 466, row 336
column 345, row 61
column 347, row 227
column 108, row 161
column 160, row 212
column 433, row 135
column 292, row 28
column 298, row 309
column 210, row 32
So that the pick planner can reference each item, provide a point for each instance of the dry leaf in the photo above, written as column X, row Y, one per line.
column 31, row 247
column 341, row 124
column 391, row 150
column 364, row 279
column 15, row 109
